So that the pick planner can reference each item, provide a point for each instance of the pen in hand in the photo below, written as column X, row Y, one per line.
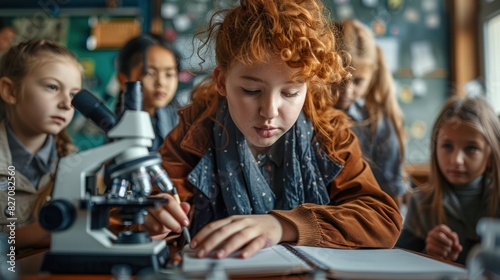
column 161, row 179
column 185, row 230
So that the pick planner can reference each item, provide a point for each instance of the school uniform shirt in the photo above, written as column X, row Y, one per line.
column 382, row 150
column 349, row 211
column 463, row 206
column 31, row 189
column 165, row 120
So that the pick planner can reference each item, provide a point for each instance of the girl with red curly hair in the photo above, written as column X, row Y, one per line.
column 261, row 156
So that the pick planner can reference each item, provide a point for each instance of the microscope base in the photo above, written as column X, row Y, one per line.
column 72, row 263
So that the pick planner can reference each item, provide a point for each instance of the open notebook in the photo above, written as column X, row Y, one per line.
column 338, row 263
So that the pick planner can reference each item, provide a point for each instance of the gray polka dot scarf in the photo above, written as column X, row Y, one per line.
column 228, row 172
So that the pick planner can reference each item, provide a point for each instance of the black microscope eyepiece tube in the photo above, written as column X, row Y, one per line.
column 132, row 97
column 94, row 109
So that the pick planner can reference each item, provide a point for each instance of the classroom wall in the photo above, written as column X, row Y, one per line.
column 68, row 22
column 415, row 36
column 71, row 22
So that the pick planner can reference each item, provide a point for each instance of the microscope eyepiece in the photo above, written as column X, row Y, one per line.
column 132, row 96
column 94, row 109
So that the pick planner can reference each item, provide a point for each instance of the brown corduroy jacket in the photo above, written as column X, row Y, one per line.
column 359, row 214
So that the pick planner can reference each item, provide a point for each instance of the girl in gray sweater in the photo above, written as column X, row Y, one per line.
column 464, row 185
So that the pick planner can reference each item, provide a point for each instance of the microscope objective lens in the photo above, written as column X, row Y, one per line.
column 141, row 182
column 115, row 187
column 160, row 178
column 123, row 188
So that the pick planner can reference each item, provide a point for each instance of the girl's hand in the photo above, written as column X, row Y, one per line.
column 442, row 242
column 169, row 217
column 249, row 233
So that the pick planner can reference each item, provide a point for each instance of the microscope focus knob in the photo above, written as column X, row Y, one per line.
column 57, row 215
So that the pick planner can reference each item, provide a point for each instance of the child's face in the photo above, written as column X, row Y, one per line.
column 43, row 105
column 263, row 101
column 357, row 88
column 159, row 84
column 462, row 152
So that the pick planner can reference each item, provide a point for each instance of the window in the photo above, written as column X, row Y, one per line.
column 490, row 24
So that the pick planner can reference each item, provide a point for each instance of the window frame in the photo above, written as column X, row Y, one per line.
column 488, row 10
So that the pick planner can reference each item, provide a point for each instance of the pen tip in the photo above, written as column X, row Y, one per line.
column 187, row 236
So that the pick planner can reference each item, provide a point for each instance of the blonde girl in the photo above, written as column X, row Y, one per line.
column 464, row 184
column 37, row 80
column 370, row 101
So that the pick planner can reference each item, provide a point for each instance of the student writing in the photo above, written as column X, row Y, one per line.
column 261, row 156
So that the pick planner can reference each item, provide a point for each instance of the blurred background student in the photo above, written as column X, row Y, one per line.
column 148, row 59
column 369, row 99
column 464, row 184
column 7, row 34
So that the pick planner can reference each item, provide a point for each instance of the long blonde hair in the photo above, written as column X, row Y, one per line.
column 299, row 33
column 358, row 41
column 478, row 114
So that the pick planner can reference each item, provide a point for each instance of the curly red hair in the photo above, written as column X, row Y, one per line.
column 299, row 33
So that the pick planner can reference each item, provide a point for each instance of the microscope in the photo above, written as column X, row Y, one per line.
column 484, row 258
column 78, row 215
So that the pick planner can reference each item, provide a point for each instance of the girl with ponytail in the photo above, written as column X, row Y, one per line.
column 37, row 81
